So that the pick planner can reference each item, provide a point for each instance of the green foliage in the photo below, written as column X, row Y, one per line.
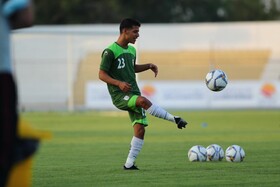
column 154, row 11
column 89, row 149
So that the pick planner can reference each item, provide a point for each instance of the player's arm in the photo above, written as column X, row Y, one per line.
column 124, row 86
column 144, row 67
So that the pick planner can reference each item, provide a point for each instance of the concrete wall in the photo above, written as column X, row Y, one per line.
column 47, row 58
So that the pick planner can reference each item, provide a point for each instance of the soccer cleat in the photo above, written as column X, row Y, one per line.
column 131, row 168
column 180, row 122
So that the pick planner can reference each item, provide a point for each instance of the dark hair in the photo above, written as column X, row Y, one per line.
column 128, row 23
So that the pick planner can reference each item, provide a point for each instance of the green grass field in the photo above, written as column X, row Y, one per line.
column 89, row 149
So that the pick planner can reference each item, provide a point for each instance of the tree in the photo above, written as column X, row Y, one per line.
column 154, row 11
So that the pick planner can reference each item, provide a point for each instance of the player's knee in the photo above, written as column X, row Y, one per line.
column 143, row 102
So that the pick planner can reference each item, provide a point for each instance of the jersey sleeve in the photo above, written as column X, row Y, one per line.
column 107, row 59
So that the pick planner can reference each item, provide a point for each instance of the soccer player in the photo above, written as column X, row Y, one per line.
column 117, row 69
column 13, row 14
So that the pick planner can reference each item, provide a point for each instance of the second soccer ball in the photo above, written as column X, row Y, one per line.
column 215, row 152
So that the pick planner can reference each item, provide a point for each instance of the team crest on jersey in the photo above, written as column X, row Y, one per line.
column 126, row 98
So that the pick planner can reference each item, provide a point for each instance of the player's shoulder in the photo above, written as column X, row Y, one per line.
column 108, row 51
column 115, row 50
column 132, row 49
column 112, row 49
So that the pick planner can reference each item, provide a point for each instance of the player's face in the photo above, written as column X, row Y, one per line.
column 132, row 34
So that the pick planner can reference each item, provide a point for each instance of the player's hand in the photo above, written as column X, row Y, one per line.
column 124, row 86
column 154, row 68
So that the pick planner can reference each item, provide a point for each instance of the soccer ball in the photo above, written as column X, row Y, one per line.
column 216, row 80
column 235, row 153
column 215, row 153
column 197, row 154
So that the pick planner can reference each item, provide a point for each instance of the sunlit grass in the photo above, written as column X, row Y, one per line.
column 89, row 149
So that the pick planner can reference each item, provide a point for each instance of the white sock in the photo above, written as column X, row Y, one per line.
column 135, row 148
column 160, row 113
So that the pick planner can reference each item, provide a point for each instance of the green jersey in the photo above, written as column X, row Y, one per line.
column 118, row 63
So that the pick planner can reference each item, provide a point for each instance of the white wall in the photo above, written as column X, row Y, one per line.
column 46, row 57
